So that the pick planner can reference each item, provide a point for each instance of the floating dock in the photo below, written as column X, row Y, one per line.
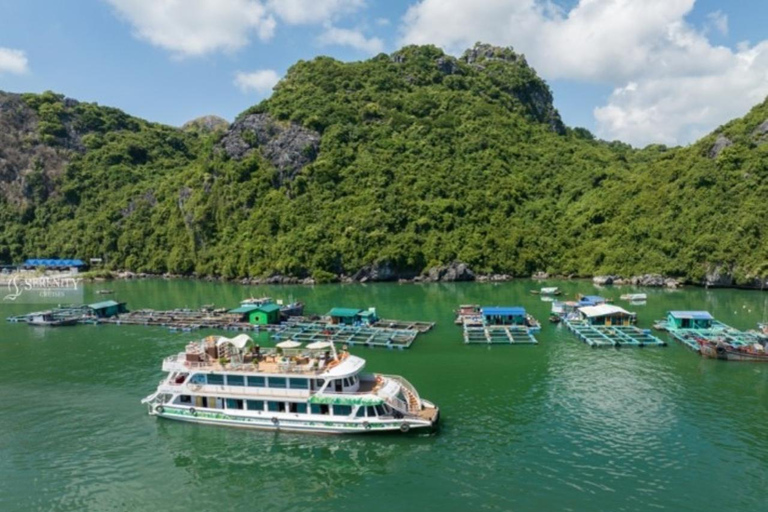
column 613, row 336
column 688, row 327
column 499, row 334
column 390, row 335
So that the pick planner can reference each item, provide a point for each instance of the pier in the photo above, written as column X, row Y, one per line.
column 613, row 336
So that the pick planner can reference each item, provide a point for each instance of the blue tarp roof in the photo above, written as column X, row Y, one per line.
column 53, row 263
column 693, row 315
column 503, row 311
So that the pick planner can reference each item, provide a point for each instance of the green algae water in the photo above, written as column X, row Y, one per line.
column 557, row 426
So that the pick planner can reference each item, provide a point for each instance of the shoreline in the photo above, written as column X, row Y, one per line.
column 644, row 281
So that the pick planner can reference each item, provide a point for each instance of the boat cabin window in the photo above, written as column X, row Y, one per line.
column 277, row 382
column 370, row 411
column 235, row 380
column 233, row 403
column 197, row 378
column 276, row 406
column 319, row 409
column 298, row 408
column 255, row 405
column 338, row 386
column 298, row 383
column 256, row 382
column 342, row 410
column 360, row 412
column 215, row 379
column 380, row 410
column 185, row 399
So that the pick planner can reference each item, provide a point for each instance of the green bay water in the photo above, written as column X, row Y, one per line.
column 558, row 426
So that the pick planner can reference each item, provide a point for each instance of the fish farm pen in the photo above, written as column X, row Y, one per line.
column 499, row 334
column 613, row 335
column 688, row 327
column 304, row 330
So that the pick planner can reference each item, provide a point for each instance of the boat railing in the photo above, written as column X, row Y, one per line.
column 408, row 387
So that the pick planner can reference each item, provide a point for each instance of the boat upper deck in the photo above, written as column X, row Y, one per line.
column 239, row 355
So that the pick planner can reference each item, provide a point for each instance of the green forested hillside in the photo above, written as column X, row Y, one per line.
column 402, row 162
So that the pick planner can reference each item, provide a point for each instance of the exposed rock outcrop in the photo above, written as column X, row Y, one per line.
column 719, row 276
column 288, row 146
column 456, row 271
column 206, row 124
column 720, row 144
column 381, row 271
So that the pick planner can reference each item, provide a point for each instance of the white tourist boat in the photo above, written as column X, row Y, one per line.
column 233, row 382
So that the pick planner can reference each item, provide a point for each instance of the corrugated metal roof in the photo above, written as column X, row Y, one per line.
column 243, row 309
column 503, row 311
column 104, row 305
column 344, row 312
column 692, row 315
column 269, row 308
column 603, row 310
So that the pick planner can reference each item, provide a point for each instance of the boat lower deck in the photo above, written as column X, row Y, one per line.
column 352, row 335
column 613, row 336
column 499, row 334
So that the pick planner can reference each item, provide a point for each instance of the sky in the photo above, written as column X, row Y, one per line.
column 640, row 71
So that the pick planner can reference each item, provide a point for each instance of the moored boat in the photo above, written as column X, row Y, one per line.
column 550, row 291
column 727, row 352
column 48, row 319
column 467, row 312
column 233, row 382
column 634, row 297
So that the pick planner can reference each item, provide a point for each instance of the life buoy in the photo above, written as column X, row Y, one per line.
column 159, row 409
column 720, row 350
column 192, row 411
column 366, row 425
column 404, row 427
column 275, row 421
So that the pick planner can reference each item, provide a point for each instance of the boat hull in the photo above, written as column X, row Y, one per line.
column 293, row 423
column 725, row 354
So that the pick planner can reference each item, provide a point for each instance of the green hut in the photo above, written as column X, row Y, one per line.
column 264, row 314
column 689, row 320
column 344, row 316
column 108, row 308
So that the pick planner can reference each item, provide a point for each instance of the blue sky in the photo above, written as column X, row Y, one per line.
column 637, row 70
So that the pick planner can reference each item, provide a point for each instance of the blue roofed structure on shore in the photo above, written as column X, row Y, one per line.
column 53, row 263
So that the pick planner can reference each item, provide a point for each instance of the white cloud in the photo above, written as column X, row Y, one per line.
column 301, row 12
column 261, row 81
column 13, row 61
column 718, row 21
column 197, row 27
column 681, row 84
column 353, row 38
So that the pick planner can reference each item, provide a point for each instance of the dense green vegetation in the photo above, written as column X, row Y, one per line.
column 423, row 159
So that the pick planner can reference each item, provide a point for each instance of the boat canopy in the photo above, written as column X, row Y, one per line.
column 240, row 341
column 289, row 344
column 552, row 289
column 603, row 310
column 318, row 345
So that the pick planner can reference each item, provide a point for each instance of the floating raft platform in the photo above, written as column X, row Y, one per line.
column 613, row 336
column 306, row 331
column 185, row 320
column 499, row 334
column 718, row 332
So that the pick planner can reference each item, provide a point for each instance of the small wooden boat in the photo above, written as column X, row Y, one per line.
column 292, row 309
column 553, row 290
column 466, row 311
column 726, row 352
column 105, row 292
column 48, row 319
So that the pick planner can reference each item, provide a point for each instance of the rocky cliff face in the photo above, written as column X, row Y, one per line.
column 289, row 147
column 512, row 73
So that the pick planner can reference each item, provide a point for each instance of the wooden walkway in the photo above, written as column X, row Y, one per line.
column 613, row 336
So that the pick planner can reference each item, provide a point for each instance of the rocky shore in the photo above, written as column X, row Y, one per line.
column 450, row 273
